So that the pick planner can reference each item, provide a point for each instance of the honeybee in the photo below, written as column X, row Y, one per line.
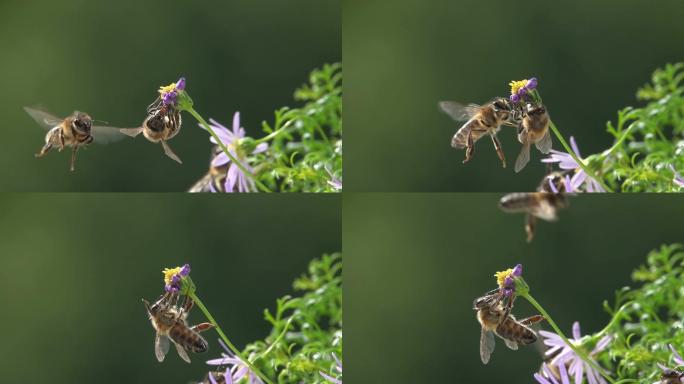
column 73, row 131
column 533, row 129
column 481, row 120
column 162, row 123
column 214, row 179
column 219, row 378
column 170, row 322
column 542, row 205
column 495, row 318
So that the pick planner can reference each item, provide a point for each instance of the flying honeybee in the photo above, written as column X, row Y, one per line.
column 533, row 129
column 542, row 205
column 73, row 131
column 170, row 322
column 481, row 120
column 162, row 123
column 496, row 318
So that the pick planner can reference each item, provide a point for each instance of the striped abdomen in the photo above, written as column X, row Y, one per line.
column 188, row 339
column 513, row 331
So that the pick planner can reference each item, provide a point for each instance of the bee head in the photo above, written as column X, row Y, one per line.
column 501, row 104
column 156, row 122
column 81, row 123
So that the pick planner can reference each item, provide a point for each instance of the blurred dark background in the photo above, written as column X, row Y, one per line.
column 401, row 57
column 414, row 264
column 109, row 58
column 74, row 268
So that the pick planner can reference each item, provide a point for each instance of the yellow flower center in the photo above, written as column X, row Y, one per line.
column 168, row 89
column 517, row 85
column 501, row 276
column 169, row 273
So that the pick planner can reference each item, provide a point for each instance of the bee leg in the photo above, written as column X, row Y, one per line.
column 532, row 320
column 44, row 150
column 73, row 158
column 201, row 327
column 470, row 147
column 188, row 303
column 499, row 150
column 530, row 225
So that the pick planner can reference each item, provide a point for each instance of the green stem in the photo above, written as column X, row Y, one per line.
column 617, row 144
column 225, row 150
column 273, row 134
column 614, row 320
column 580, row 352
column 277, row 340
column 576, row 157
column 225, row 339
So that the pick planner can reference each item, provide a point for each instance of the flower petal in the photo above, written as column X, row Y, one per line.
column 220, row 160
column 260, row 148
column 231, row 178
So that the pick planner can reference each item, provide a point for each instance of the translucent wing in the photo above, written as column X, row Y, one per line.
column 203, row 184
column 43, row 118
column 511, row 344
column 458, row 111
column 104, row 135
column 170, row 152
column 544, row 145
column 487, row 345
column 132, row 132
column 161, row 347
column 523, row 158
column 545, row 210
column 182, row 352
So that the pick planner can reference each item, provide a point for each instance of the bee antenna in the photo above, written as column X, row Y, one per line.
column 101, row 121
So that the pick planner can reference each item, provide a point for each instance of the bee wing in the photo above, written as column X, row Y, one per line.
column 104, row 135
column 202, row 185
column 182, row 352
column 458, row 111
column 523, row 157
column 510, row 344
column 161, row 347
column 544, row 145
column 169, row 152
column 43, row 118
column 545, row 210
column 487, row 345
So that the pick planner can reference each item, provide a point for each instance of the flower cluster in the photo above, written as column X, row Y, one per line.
column 505, row 279
column 565, row 357
column 173, row 277
column 169, row 93
column 567, row 162
column 678, row 180
column 520, row 88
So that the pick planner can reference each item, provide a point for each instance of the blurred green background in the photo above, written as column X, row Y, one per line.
column 401, row 57
column 414, row 263
column 108, row 59
column 75, row 266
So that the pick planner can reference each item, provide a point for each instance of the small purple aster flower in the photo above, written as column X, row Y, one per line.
column 338, row 368
column 174, row 276
column 678, row 180
column 334, row 182
column 506, row 279
column 236, row 369
column 169, row 94
column 564, row 355
column 521, row 88
column 236, row 180
column 565, row 161
column 676, row 356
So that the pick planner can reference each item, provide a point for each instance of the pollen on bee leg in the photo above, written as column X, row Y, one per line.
column 201, row 327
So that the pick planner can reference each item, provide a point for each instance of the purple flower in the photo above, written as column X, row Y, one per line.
column 678, row 180
column 676, row 356
column 334, row 182
column 506, row 279
column 564, row 355
column 567, row 185
column 548, row 377
column 169, row 93
column 236, row 369
column 565, row 161
column 521, row 88
column 236, row 180
column 174, row 276
column 338, row 368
